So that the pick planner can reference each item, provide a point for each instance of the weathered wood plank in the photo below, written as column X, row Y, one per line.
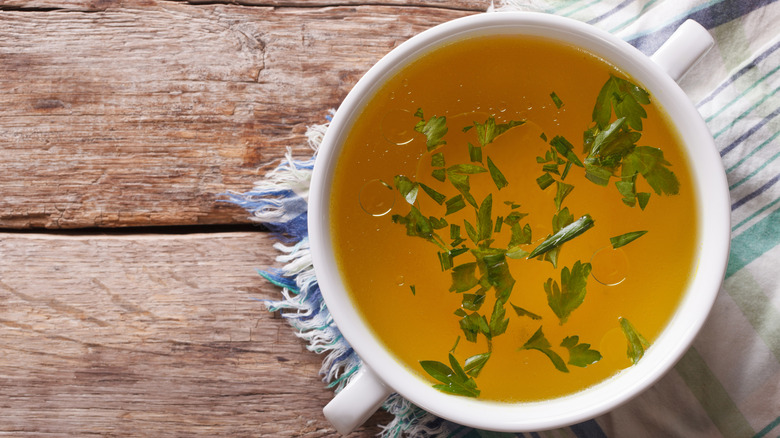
column 150, row 336
column 103, row 5
column 143, row 113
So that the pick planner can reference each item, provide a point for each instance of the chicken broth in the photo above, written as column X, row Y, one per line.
column 512, row 220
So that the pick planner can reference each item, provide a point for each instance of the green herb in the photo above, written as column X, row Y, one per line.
column 436, row 196
column 565, row 299
column 642, row 197
column 522, row 312
column 625, row 98
column 610, row 150
column 499, row 224
column 453, row 380
column 514, row 217
column 459, row 178
column 437, row 160
column 596, row 174
column 650, row 163
column 445, row 260
column 498, row 323
column 406, row 187
column 604, row 140
column 471, row 231
column 550, row 156
column 545, row 181
column 498, row 177
column 466, row 169
column 485, row 218
column 540, row 343
column 437, row 223
column 551, row 168
column 475, row 153
column 520, row 235
column 473, row 365
column 636, row 342
column 625, row 239
column 458, row 251
column 580, row 355
column 556, row 100
column 457, row 340
column 454, row 204
column 560, row 220
column 611, row 146
column 472, row 325
column 566, row 149
column 454, row 231
column 566, row 170
column 561, row 192
column 488, row 131
column 463, row 277
column 627, row 188
column 517, row 253
column 461, row 182
column 564, row 235
column 434, row 129
column 498, row 275
column 417, row 225
column 472, row 301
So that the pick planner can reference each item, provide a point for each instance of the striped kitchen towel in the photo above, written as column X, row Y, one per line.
column 728, row 383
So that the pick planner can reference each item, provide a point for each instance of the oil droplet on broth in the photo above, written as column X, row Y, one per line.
column 397, row 126
column 609, row 266
column 399, row 280
column 376, row 198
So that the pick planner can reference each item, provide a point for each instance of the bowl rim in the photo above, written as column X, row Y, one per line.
column 712, row 193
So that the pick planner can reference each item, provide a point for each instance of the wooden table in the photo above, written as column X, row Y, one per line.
column 127, row 289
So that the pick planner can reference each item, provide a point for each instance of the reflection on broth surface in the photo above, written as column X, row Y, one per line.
column 471, row 160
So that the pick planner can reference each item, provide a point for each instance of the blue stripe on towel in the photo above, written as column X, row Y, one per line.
column 710, row 17
column 588, row 429
column 754, row 62
column 750, row 132
column 755, row 193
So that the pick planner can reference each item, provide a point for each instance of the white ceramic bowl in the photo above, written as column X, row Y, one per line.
column 384, row 374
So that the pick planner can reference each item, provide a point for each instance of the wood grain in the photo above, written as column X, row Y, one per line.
column 150, row 336
column 103, row 5
column 142, row 112
column 117, row 113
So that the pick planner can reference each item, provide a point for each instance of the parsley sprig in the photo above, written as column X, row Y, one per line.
column 479, row 265
column 611, row 146
column 453, row 378
column 564, row 299
column 636, row 342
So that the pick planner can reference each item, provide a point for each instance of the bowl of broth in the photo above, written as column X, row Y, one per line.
column 518, row 221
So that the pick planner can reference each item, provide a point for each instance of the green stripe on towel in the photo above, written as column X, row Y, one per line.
column 757, row 308
column 754, row 242
column 768, row 428
column 712, row 396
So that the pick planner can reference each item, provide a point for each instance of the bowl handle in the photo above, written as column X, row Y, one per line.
column 681, row 51
column 357, row 401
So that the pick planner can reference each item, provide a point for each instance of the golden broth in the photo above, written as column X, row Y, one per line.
column 510, row 78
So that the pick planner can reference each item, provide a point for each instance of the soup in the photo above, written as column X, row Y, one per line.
column 514, row 218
